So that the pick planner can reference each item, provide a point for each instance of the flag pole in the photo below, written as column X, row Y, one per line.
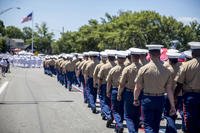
column 32, row 34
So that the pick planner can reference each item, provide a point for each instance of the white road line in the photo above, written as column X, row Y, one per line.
column 81, row 90
column 77, row 88
column 3, row 86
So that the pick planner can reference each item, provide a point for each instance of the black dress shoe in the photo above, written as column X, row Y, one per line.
column 94, row 111
column 119, row 130
column 109, row 122
column 104, row 117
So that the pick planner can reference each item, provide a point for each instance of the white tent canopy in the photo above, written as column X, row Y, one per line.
column 25, row 53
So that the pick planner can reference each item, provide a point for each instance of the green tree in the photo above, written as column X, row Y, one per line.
column 55, row 48
column 43, row 39
column 2, row 28
column 3, row 46
column 27, row 33
column 13, row 32
column 129, row 29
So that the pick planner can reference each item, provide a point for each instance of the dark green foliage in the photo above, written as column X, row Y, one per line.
column 129, row 29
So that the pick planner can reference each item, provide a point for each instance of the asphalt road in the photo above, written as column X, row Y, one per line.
column 33, row 102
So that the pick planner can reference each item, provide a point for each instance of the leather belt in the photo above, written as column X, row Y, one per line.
column 114, row 87
column 154, row 94
column 129, row 90
column 192, row 90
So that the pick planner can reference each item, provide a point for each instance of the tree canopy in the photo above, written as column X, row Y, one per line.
column 128, row 29
column 2, row 28
column 42, row 37
column 13, row 32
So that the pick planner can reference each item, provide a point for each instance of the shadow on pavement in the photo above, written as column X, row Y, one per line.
column 34, row 102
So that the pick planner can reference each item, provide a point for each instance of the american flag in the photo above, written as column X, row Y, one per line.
column 27, row 18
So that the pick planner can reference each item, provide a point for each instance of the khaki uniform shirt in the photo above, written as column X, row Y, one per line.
column 62, row 66
column 116, row 62
column 52, row 62
column 174, row 68
column 77, row 64
column 104, row 70
column 154, row 77
column 56, row 63
column 189, row 75
column 184, row 86
column 114, row 76
column 74, row 63
column 59, row 63
column 81, row 64
column 128, row 76
column 69, row 66
column 47, row 63
column 96, row 71
column 127, row 62
column 89, row 70
column 85, row 65
column 75, row 60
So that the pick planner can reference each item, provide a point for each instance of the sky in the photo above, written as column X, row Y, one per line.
column 72, row 14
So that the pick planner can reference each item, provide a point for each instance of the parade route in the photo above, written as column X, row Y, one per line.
column 32, row 102
column 3, row 86
column 35, row 103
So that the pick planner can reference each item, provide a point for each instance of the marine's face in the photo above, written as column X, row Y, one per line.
column 135, row 57
column 103, row 58
column 143, row 56
column 155, row 53
column 121, row 60
column 86, row 57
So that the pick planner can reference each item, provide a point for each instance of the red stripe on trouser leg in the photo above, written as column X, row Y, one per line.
column 185, row 116
column 142, row 115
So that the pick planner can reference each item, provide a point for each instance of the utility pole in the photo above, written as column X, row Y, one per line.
column 63, row 30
